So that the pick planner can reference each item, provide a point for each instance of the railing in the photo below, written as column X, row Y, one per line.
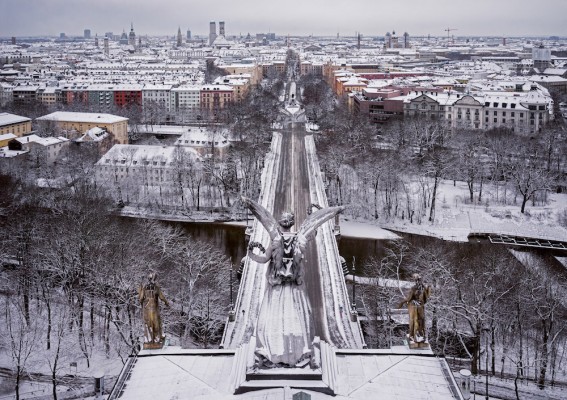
column 118, row 387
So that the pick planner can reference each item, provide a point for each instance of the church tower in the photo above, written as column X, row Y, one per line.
column 179, row 38
column 132, row 36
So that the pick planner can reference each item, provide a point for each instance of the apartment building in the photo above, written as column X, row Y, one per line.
column 11, row 123
column 82, row 122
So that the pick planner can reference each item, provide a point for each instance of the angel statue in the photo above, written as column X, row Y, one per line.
column 283, row 331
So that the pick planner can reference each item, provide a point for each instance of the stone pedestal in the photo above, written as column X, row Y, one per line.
column 354, row 315
column 154, row 346
column 418, row 345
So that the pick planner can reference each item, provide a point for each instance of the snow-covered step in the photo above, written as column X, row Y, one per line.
column 316, row 386
column 275, row 374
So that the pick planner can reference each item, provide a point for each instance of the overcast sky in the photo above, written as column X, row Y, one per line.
column 295, row 17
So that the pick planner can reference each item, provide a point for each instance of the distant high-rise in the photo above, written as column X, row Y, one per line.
column 106, row 49
column 132, row 36
column 13, row 40
column 391, row 41
column 541, row 57
column 188, row 34
column 221, row 28
column 87, row 34
column 179, row 37
column 109, row 35
column 212, row 32
column 62, row 35
column 96, row 41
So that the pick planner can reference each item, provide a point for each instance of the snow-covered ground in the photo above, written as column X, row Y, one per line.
column 356, row 229
column 455, row 219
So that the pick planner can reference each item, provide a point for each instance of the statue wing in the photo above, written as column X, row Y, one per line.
column 314, row 221
column 266, row 219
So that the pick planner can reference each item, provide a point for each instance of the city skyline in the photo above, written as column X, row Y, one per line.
column 317, row 17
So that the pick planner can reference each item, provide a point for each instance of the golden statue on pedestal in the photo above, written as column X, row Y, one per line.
column 415, row 300
column 149, row 295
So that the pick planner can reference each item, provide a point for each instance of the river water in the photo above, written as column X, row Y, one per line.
column 230, row 240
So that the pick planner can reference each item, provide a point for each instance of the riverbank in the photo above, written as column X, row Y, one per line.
column 455, row 218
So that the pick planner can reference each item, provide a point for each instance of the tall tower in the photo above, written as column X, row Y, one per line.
column 188, row 34
column 96, row 40
column 388, row 40
column 221, row 28
column 179, row 38
column 541, row 57
column 87, row 34
column 406, row 41
column 106, row 49
column 212, row 32
column 132, row 36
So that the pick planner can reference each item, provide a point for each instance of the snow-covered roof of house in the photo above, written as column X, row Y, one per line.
column 187, row 88
column 130, row 153
column 9, row 119
column 7, row 136
column 149, row 86
column 44, row 141
column 547, row 79
column 217, row 87
column 95, row 134
column 555, row 71
column 67, row 116
column 198, row 137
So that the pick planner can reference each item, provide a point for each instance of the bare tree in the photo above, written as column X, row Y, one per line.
column 22, row 337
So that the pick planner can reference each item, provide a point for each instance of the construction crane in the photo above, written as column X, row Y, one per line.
column 448, row 30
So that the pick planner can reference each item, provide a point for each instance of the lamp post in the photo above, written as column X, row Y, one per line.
column 231, row 314
column 486, row 364
column 353, row 312
column 353, row 284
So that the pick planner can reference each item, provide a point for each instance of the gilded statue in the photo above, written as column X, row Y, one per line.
column 150, row 294
column 415, row 300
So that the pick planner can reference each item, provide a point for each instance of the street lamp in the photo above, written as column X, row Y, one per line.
column 486, row 363
column 231, row 315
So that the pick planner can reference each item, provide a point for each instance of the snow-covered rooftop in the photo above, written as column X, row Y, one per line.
column 67, row 116
column 361, row 374
column 9, row 119
column 44, row 141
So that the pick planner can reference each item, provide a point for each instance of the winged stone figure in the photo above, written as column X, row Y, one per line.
column 283, row 331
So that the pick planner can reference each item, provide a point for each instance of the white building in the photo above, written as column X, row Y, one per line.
column 6, row 93
column 185, row 98
column 157, row 95
column 44, row 147
column 204, row 140
column 521, row 112
column 145, row 173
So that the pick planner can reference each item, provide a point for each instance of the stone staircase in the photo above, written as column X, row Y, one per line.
column 319, row 375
